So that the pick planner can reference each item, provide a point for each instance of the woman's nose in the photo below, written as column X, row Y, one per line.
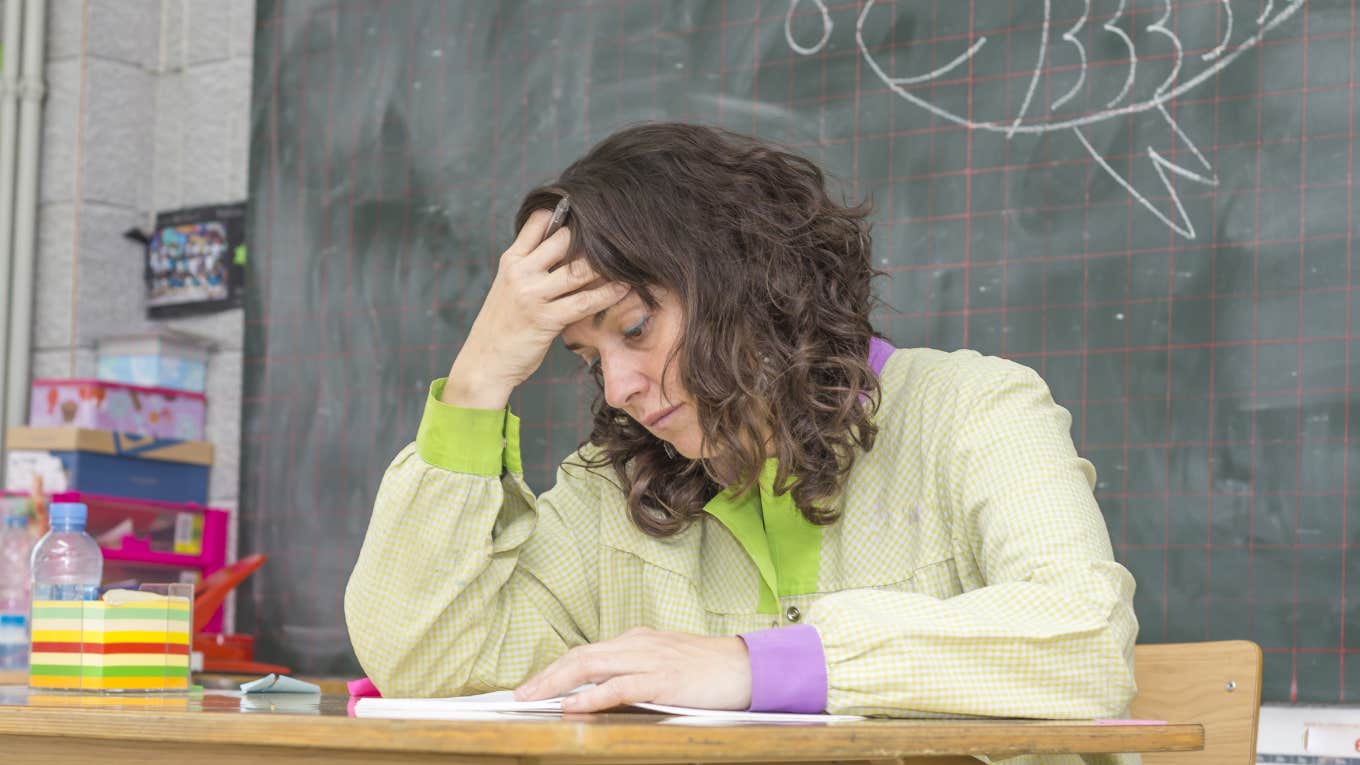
column 622, row 382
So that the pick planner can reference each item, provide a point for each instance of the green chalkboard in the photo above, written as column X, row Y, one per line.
column 1151, row 203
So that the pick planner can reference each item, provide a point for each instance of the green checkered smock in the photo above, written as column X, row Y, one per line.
column 970, row 571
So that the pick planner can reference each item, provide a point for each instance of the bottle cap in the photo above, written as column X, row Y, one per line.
column 13, row 620
column 67, row 514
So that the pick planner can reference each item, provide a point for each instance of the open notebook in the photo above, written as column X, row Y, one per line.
column 501, row 705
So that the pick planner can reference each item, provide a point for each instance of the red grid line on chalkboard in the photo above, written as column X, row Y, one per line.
column 1255, row 331
column 1346, row 433
column 1298, row 415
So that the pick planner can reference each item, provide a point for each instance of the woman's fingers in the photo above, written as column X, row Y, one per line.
column 645, row 665
column 615, row 692
column 569, row 278
column 549, row 681
column 531, row 234
column 547, row 255
column 578, row 305
column 586, row 664
column 545, row 272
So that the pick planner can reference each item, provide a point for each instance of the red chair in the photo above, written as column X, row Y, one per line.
column 231, row 654
column 212, row 589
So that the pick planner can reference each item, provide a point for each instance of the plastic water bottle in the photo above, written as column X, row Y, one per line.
column 67, row 563
column 15, row 546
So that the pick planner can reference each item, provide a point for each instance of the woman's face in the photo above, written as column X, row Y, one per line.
column 630, row 343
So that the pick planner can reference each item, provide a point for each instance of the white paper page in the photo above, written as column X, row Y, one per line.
column 496, row 701
column 449, row 712
column 503, row 702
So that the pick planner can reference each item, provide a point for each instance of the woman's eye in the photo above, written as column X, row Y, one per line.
column 635, row 331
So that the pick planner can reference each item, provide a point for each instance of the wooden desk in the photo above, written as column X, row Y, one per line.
column 222, row 728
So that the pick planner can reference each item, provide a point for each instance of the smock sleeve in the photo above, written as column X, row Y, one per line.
column 467, row 582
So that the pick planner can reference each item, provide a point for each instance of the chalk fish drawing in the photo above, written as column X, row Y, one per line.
column 1035, row 117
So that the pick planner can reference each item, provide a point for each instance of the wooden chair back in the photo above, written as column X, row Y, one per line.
column 1216, row 684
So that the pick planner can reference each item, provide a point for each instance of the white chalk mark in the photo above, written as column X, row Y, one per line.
column 1185, row 228
column 827, row 26
column 1227, row 34
column 1161, row 165
column 1182, row 225
column 941, row 71
column 1085, row 119
column 1038, row 69
column 1169, row 89
column 1070, row 36
column 1212, row 179
column 896, row 83
column 1159, row 27
column 1110, row 27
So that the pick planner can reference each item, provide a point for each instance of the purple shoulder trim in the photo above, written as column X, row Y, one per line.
column 879, row 351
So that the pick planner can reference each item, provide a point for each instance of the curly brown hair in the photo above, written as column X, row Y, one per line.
column 774, row 282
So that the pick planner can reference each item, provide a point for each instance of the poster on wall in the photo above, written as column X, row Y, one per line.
column 195, row 261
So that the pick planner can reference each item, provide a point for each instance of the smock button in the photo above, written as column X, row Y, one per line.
column 793, row 614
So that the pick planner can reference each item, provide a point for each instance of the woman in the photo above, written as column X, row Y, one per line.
column 776, row 510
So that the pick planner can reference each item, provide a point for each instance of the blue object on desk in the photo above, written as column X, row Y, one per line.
column 272, row 683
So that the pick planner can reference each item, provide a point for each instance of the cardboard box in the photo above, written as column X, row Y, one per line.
column 107, row 462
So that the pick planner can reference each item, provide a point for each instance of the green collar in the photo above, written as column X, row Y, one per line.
column 785, row 547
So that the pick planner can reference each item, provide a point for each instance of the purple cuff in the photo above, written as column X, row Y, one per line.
column 788, row 670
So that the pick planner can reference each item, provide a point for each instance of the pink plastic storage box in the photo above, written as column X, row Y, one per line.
column 145, row 540
column 102, row 405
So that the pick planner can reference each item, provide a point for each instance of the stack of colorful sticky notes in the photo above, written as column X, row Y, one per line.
column 116, row 644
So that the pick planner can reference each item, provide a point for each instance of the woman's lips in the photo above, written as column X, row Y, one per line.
column 664, row 418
